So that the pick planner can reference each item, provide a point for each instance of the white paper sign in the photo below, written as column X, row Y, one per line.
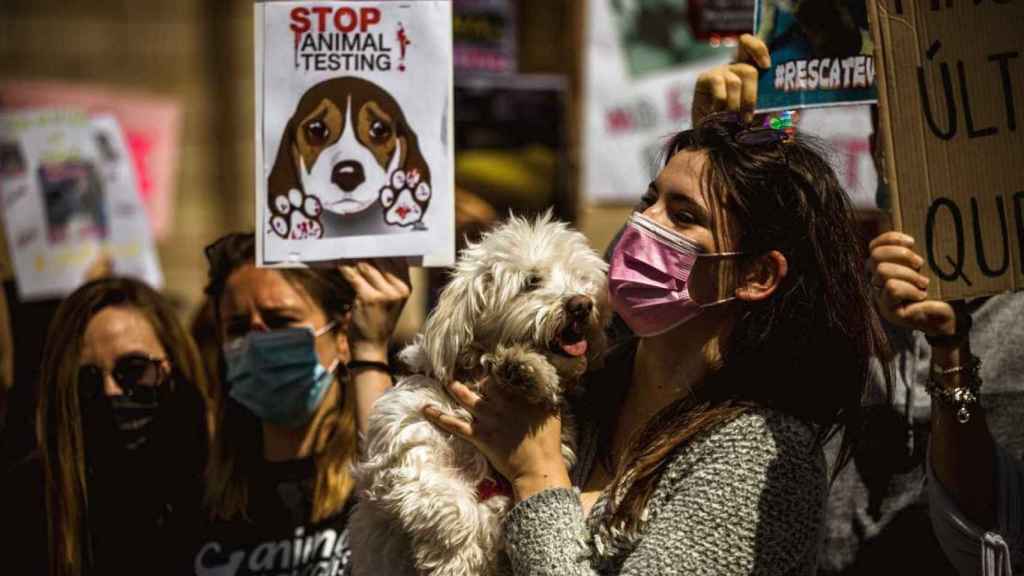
column 354, row 153
column 846, row 131
column 631, row 111
column 69, row 194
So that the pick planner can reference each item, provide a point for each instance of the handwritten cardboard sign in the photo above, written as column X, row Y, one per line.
column 354, row 152
column 951, row 92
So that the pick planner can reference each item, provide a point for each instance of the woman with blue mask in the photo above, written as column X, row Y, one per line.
column 304, row 356
column 700, row 442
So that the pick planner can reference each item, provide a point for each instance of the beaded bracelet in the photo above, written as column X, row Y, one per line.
column 962, row 397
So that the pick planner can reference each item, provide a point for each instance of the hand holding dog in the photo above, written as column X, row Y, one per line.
column 381, row 287
column 901, row 290
column 526, row 449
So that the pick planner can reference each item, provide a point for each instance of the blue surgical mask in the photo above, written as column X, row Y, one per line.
column 277, row 374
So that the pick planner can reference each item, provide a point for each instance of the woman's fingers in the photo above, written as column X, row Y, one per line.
column 394, row 267
column 359, row 283
column 463, row 395
column 448, row 423
column 370, row 283
column 895, row 254
column 888, row 270
column 711, row 85
column 374, row 278
column 753, row 49
column 748, row 89
column 734, row 90
column 896, row 293
column 891, row 238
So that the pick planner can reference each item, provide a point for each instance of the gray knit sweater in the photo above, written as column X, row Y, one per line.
column 745, row 498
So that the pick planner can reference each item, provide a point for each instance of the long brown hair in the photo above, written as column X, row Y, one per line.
column 237, row 448
column 818, row 331
column 59, row 418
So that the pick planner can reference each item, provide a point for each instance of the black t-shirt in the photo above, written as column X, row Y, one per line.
column 277, row 538
column 134, row 523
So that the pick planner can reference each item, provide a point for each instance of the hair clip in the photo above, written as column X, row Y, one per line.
column 783, row 121
column 775, row 127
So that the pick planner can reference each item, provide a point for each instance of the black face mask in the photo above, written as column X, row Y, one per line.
column 116, row 427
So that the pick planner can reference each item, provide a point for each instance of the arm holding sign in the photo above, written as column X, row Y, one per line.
column 381, row 289
column 973, row 481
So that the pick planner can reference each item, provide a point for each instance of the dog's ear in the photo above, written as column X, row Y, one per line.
column 448, row 333
column 283, row 178
column 411, row 148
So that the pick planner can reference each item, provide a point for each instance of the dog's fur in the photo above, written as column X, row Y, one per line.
column 516, row 303
column 349, row 156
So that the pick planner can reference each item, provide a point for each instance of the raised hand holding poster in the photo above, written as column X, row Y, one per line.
column 70, row 197
column 951, row 84
column 353, row 131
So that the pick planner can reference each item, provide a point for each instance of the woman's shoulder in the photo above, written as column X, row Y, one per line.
column 757, row 443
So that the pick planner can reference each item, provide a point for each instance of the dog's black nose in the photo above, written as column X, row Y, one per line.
column 348, row 175
column 579, row 306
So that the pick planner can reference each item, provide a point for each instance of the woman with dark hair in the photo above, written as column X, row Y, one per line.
column 701, row 441
column 304, row 356
column 122, row 440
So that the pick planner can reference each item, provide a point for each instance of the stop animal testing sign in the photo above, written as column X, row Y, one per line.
column 951, row 90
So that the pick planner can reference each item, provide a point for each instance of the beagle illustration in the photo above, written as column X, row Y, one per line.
column 347, row 155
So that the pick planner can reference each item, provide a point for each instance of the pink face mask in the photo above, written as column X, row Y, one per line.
column 648, row 279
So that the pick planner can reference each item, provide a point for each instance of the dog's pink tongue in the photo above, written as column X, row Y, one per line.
column 577, row 349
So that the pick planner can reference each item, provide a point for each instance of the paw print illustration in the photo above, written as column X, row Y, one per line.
column 296, row 216
column 406, row 199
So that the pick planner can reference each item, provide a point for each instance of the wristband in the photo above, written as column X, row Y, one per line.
column 368, row 364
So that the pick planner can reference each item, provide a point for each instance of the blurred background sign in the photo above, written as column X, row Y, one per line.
column 484, row 36
column 641, row 65
column 150, row 123
column 70, row 201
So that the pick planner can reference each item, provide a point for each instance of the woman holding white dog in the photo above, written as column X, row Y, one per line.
column 304, row 358
column 701, row 440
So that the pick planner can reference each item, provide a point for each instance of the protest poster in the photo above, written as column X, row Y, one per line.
column 69, row 196
column 150, row 123
column 354, row 131
column 822, row 53
column 950, row 96
column 484, row 36
column 636, row 93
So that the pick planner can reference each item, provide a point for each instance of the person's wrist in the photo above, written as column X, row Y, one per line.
column 536, row 481
column 369, row 351
column 952, row 334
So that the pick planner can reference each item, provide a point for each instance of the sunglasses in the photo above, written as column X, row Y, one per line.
column 137, row 375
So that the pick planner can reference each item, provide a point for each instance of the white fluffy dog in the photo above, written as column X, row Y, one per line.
column 522, row 308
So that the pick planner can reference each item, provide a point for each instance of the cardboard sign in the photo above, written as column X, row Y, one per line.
column 353, row 131
column 951, row 100
column 150, row 124
column 821, row 53
column 69, row 195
